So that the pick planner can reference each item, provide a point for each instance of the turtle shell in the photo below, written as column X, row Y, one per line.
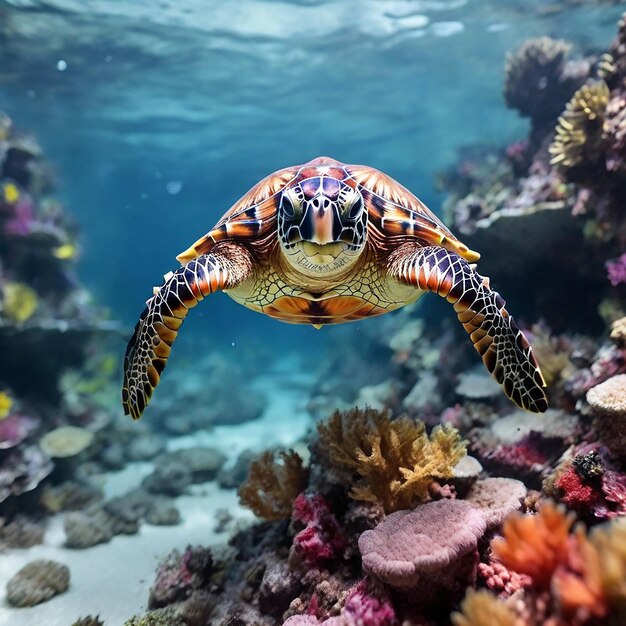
column 394, row 212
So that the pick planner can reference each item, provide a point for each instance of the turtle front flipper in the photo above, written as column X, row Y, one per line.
column 503, row 347
column 149, row 347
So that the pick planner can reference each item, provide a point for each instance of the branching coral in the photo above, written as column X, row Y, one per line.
column 579, row 134
column 396, row 460
column 537, row 79
column 273, row 484
column 535, row 544
column 481, row 608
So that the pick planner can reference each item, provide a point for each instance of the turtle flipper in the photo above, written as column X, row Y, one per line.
column 503, row 347
column 150, row 345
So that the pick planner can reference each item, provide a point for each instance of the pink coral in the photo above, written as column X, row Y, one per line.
column 322, row 539
column 616, row 270
column 501, row 580
column 362, row 607
column 15, row 428
column 431, row 548
column 576, row 493
column 22, row 217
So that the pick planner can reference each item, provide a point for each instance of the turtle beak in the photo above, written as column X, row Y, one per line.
column 320, row 225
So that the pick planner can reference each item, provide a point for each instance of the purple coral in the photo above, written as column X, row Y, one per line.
column 322, row 539
column 15, row 428
column 616, row 270
column 430, row 549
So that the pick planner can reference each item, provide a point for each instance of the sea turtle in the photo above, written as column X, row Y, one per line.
column 324, row 243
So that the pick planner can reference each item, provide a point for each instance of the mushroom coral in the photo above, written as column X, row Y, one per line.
column 429, row 549
column 396, row 460
column 273, row 483
column 608, row 405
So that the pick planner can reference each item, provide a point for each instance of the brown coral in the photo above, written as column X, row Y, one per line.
column 396, row 460
column 535, row 544
column 482, row 608
column 579, row 132
column 538, row 79
column 273, row 484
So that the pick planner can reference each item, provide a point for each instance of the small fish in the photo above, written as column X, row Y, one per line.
column 11, row 193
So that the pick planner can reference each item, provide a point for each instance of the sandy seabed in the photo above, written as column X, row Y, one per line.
column 112, row 580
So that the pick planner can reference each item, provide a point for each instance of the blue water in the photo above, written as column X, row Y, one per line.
column 157, row 116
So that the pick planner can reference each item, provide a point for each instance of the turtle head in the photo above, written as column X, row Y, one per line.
column 322, row 225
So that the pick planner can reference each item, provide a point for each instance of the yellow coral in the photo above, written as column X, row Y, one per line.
column 65, row 251
column 272, row 485
column 610, row 543
column 396, row 460
column 579, row 129
column 5, row 404
column 11, row 193
column 20, row 302
column 483, row 608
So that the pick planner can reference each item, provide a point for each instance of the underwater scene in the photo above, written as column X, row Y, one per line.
column 404, row 400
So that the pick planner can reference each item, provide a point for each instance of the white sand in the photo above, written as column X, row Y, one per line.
column 113, row 579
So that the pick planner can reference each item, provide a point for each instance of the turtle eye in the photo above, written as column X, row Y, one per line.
column 353, row 210
column 289, row 206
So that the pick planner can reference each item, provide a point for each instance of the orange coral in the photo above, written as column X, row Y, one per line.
column 535, row 544
column 396, row 460
column 273, row 484
column 578, row 589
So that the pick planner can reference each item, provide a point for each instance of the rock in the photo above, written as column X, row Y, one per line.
column 145, row 447
column 83, row 530
column 230, row 477
column 168, row 478
column 37, row 582
column 163, row 513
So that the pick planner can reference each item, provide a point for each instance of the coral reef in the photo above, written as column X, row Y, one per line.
column 538, row 78
column 396, row 460
column 274, row 482
column 573, row 577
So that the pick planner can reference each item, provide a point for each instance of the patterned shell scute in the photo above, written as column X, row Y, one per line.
column 251, row 217
column 395, row 211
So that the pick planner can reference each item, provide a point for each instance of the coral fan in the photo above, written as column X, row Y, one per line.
column 396, row 460
column 272, row 486
column 579, row 131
